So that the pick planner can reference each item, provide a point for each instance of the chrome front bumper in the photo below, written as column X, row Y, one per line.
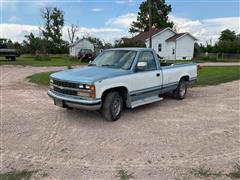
column 76, row 103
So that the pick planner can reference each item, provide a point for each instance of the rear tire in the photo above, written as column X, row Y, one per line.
column 112, row 106
column 181, row 91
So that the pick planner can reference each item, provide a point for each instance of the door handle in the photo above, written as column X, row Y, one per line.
column 158, row 74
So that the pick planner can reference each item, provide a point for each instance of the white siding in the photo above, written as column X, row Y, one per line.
column 171, row 46
column 82, row 44
column 161, row 39
column 184, row 47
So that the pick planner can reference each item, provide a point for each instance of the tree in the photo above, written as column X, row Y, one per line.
column 72, row 32
column 97, row 42
column 108, row 45
column 160, row 19
column 228, row 42
column 227, row 35
column 32, row 44
column 52, row 29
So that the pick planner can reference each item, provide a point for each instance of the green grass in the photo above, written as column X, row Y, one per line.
column 52, row 60
column 17, row 175
column 213, row 75
column 203, row 172
column 41, row 79
column 208, row 75
column 235, row 174
column 124, row 175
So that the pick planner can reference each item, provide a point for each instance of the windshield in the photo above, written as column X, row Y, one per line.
column 121, row 59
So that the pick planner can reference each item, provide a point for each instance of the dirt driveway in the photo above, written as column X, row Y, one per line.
column 164, row 140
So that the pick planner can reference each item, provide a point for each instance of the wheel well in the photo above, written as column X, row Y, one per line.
column 185, row 78
column 122, row 91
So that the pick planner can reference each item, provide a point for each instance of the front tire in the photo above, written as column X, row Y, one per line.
column 181, row 91
column 112, row 106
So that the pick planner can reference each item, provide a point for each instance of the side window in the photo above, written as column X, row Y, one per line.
column 159, row 47
column 148, row 57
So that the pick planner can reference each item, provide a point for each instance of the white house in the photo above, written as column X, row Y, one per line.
column 75, row 47
column 167, row 43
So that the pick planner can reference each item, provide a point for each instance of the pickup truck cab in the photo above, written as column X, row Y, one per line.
column 120, row 77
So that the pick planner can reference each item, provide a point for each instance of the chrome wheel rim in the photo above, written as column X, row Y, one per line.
column 182, row 90
column 116, row 108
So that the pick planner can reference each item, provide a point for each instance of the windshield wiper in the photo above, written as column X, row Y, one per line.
column 91, row 64
column 108, row 65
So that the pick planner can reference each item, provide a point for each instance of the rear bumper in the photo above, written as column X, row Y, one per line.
column 76, row 103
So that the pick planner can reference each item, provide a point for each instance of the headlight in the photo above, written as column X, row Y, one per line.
column 87, row 90
column 85, row 86
column 51, row 81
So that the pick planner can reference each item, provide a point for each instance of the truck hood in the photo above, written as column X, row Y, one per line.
column 88, row 74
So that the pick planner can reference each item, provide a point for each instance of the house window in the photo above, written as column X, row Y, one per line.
column 159, row 47
column 173, row 51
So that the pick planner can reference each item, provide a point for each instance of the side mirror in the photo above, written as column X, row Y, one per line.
column 142, row 66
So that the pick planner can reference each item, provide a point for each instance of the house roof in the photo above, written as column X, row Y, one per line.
column 176, row 36
column 142, row 36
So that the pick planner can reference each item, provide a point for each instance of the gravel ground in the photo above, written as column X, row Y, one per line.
column 163, row 140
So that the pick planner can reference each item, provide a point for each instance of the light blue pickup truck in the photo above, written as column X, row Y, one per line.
column 120, row 77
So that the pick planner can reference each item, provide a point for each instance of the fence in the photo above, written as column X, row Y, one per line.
column 224, row 57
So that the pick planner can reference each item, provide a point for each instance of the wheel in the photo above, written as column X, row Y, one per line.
column 112, row 106
column 181, row 90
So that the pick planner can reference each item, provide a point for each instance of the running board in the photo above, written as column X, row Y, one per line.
column 146, row 101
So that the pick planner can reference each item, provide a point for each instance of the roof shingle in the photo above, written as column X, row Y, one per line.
column 142, row 36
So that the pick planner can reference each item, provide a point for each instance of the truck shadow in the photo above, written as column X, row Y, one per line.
column 93, row 117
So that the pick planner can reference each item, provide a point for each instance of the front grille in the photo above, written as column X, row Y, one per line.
column 65, row 84
column 65, row 91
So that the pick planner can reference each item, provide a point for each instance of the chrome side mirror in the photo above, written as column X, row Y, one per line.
column 142, row 66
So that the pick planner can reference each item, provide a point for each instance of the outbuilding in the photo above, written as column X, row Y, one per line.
column 75, row 47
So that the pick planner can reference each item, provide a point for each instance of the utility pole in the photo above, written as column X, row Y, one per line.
column 150, row 22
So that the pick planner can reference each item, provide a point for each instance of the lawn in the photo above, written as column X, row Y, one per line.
column 208, row 75
column 41, row 79
column 213, row 75
column 52, row 60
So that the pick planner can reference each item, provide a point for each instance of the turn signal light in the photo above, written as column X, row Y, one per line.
column 92, row 91
column 92, row 87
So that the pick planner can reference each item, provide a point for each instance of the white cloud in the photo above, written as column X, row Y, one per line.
column 129, row 2
column 16, row 32
column 206, row 29
column 117, row 27
column 97, row 9
column 107, row 34
column 123, row 21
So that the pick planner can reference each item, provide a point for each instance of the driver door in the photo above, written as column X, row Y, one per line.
column 146, row 82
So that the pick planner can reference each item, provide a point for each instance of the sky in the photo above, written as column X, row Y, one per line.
column 110, row 19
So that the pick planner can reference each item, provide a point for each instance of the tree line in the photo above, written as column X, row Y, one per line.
column 228, row 42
